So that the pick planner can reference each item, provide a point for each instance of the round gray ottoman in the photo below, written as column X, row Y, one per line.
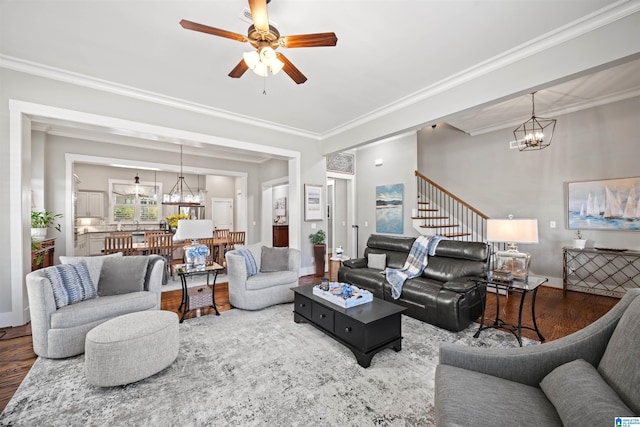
column 131, row 347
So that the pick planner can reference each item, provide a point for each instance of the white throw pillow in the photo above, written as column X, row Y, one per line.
column 377, row 261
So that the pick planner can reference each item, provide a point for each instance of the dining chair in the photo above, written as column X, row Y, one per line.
column 119, row 242
column 210, row 242
column 221, row 233
column 148, row 234
column 162, row 244
column 236, row 238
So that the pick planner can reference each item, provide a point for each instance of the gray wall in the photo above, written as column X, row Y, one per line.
column 399, row 163
column 593, row 144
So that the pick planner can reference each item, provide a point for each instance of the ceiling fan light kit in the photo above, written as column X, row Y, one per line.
column 265, row 39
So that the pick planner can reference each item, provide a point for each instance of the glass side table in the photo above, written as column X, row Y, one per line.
column 524, row 287
column 198, row 296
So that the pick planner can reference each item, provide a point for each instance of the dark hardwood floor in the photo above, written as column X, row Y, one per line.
column 557, row 314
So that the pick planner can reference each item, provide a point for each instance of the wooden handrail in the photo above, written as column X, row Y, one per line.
column 449, row 194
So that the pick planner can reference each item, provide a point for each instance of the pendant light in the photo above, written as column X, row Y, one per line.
column 536, row 133
column 180, row 194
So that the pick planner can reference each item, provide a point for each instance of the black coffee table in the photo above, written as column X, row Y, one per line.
column 365, row 329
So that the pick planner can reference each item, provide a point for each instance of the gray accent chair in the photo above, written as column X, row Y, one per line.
column 263, row 289
column 59, row 333
column 584, row 379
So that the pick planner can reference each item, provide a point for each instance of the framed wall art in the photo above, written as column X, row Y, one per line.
column 610, row 204
column 389, row 209
column 313, row 202
column 340, row 162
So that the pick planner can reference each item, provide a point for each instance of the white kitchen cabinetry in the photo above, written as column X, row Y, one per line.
column 90, row 204
column 81, row 248
column 96, row 243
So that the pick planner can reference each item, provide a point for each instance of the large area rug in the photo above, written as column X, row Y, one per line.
column 249, row 369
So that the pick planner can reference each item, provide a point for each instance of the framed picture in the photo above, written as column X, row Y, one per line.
column 610, row 204
column 313, row 202
column 389, row 209
column 340, row 162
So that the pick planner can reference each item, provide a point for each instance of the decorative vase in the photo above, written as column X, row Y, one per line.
column 196, row 256
column 318, row 256
column 579, row 243
column 38, row 234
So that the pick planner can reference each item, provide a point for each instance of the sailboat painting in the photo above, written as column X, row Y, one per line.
column 611, row 204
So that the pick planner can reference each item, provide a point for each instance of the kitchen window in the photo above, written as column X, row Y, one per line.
column 134, row 202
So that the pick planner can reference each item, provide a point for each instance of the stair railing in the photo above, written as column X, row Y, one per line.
column 441, row 212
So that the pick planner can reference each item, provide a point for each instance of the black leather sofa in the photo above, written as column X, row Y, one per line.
column 444, row 295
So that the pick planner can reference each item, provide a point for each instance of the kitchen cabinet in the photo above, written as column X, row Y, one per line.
column 90, row 204
column 81, row 247
column 96, row 243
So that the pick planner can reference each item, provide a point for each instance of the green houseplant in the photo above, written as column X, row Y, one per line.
column 319, row 249
column 41, row 221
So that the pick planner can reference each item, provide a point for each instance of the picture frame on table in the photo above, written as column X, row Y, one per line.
column 313, row 202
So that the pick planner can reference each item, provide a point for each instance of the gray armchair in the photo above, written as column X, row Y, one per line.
column 586, row 378
column 271, row 285
column 124, row 285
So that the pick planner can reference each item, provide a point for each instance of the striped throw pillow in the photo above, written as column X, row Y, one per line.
column 71, row 283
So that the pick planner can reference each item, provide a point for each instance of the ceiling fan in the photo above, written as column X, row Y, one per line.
column 265, row 39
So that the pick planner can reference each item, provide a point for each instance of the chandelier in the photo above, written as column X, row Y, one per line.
column 536, row 133
column 181, row 194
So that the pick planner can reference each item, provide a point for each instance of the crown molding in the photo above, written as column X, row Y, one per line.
column 53, row 73
column 607, row 15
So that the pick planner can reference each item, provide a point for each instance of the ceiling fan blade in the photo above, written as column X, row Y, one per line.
column 259, row 15
column 239, row 69
column 309, row 40
column 291, row 69
column 189, row 25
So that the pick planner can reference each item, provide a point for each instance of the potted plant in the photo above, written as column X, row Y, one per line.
column 41, row 221
column 319, row 249
column 579, row 242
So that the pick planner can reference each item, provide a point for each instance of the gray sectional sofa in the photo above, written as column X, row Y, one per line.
column 588, row 378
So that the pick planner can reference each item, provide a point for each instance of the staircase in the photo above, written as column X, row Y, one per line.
column 441, row 213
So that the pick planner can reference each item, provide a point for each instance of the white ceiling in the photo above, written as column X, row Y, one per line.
column 387, row 52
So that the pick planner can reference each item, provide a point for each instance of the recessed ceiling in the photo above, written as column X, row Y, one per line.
column 387, row 51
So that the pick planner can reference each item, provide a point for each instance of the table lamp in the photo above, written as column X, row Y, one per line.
column 512, row 263
column 194, row 229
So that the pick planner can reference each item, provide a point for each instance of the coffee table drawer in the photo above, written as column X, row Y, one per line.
column 349, row 330
column 322, row 316
column 302, row 306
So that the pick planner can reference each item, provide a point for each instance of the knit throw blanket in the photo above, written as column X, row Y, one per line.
column 414, row 265
column 249, row 261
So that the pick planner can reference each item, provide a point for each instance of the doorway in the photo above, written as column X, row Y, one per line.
column 222, row 213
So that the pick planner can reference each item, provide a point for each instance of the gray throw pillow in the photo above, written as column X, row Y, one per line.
column 581, row 396
column 122, row 275
column 274, row 259
column 377, row 261
column 70, row 283
column 94, row 263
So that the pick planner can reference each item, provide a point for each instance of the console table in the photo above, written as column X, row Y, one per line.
column 600, row 271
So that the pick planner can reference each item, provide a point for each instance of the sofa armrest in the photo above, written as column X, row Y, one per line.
column 42, row 305
column 461, row 285
column 355, row 263
column 236, row 268
column 529, row 365
column 294, row 260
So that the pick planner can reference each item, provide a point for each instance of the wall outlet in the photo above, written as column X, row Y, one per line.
column 313, row 225
column 366, row 223
column 552, row 224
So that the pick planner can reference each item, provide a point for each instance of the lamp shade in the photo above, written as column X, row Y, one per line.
column 192, row 229
column 512, row 230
